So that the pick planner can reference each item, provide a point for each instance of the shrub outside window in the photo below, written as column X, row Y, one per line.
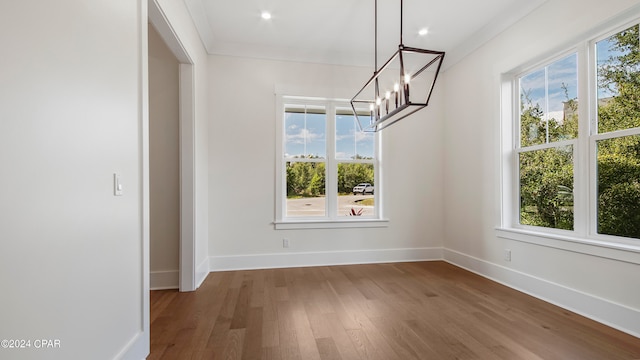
column 554, row 144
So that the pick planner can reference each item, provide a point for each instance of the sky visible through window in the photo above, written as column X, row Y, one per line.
column 604, row 52
column 561, row 77
column 551, row 86
column 350, row 141
column 306, row 137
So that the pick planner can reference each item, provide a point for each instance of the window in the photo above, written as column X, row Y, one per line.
column 327, row 168
column 617, row 134
column 561, row 133
column 548, row 129
column 306, row 155
column 355, row 154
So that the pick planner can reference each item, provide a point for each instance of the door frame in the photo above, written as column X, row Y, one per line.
column 187, row 270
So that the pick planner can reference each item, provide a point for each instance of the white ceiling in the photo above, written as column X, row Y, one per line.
column 342, row 31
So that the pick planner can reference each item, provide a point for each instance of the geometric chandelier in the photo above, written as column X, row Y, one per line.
column 402, row 86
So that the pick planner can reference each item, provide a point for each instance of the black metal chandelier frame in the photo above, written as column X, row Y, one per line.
column 404, row 106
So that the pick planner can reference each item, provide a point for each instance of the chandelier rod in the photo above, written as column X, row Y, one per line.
column 375, row 52
column 401, row 18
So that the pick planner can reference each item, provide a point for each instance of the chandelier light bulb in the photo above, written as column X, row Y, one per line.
column 407, row 79
column 396, row 91
column 387, row 96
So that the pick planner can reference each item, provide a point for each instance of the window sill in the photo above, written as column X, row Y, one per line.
column 601, row 248
column 330, row 224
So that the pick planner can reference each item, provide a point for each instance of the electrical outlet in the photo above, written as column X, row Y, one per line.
column 285, row 243
column 507, row 254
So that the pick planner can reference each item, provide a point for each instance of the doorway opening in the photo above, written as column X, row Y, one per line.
column 186, row 275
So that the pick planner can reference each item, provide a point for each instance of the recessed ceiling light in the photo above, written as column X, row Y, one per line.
column 423, row 32
column 266, row 15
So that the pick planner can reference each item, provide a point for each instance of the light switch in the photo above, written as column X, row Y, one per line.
column 117, row 185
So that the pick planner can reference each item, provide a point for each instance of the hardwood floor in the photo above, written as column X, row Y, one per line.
column 422, row 310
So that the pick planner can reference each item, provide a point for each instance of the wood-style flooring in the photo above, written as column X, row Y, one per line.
column 421, row 310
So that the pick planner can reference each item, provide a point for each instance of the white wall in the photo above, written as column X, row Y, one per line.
column 242, row 163
column 164, row 167
column 71, row 253
column 603, row 288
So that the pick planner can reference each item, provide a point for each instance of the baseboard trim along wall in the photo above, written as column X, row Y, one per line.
column 163, row 280
column 136, row 348
column 606, row 312
column 202, row 271
column 325, row 258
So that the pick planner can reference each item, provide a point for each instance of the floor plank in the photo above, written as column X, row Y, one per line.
column 420, row 310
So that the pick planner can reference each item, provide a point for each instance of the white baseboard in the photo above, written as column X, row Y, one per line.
column 609, row 313
column 163, row 280
column 136, row 349
column 285, row 260
column 202, row 271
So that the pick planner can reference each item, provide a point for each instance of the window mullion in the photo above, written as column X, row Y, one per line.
column 581, row 198
column 331, row 167
column 591, row 130
column 377, row 175
column 513, row 217
column 546, row 103
column 550, row 145
column 281, row 183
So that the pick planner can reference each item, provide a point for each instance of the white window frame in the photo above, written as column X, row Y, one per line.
column 518, row 149
column 331, row 219
column 594, row 136
column 584, row 238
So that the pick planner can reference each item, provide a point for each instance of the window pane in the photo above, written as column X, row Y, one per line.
column 546, row 188
column 305, row 188
column 351, row 143
column 533, row 101
column 548, row 103
column 618, row 68
column 356, row 188
column 619, row 186
column 562, row 114
column 305, row 129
